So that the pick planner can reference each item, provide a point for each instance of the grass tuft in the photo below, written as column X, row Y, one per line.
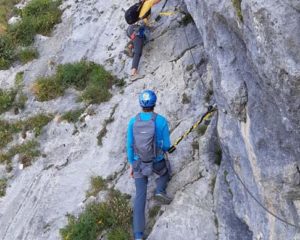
column 28, row 151
column 38, row 17
column 93, row 79
column 47, row 88
column 237, row 6
column 36, row 123
column 7, row 99
column 72, row 116
column 97, row 184
column 3, row 185
column 27, row 54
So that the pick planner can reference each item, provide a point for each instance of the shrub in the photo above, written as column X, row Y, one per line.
column 72, row 116
column 22, row 32
column 97, row 184
column 74, row 74
column 6, row 100
column 43, row 15
column 87, row 76
column 6, row 11
column 39, row 16
column 95, row 92
column 113, row 216
column 27, row 55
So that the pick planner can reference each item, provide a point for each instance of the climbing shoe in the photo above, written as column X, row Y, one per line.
column 136, row 77
column 129, row 50
column 138, row 236
column 163, row 198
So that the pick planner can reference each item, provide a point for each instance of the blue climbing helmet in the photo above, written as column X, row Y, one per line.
column 147, row 99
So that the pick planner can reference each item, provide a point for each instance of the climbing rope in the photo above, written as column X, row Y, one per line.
column 210, row 111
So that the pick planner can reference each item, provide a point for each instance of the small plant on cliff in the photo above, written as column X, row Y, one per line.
column 88, row 77
column 97, row 184
column 3, row 185
column 35, row 124
column 7, row 99
column 38, row 16
column 27, row 54
column 28, row 151
column 72, row 116
column 112, row 216
column 237, row 6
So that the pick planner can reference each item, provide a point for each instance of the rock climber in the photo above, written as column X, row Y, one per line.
column 148, row 138
column 139, row 35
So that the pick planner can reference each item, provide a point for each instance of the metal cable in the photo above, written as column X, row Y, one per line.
column 190, row 49
column 255, row 199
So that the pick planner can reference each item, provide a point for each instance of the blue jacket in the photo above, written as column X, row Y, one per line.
column 161, row 131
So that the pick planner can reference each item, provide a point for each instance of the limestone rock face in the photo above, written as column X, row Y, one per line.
column 256, row 72
column 249, row 66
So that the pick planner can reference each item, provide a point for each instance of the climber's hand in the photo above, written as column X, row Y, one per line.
column 131, row 171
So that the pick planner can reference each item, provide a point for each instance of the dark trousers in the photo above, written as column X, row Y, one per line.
column 141, row 196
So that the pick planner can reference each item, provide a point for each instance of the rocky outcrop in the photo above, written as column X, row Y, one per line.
column 256, row 71
column 251, row 65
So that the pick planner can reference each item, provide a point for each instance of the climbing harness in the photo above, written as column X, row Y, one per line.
column 205, row 116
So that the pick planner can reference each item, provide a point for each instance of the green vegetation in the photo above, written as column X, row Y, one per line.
column 19, row 79
column 6, row 11
column 27, row 54
column 28, row 151
column 218, row 155
column 88, row 77
column 47, row 88
column 7, row 99
column 38, row 17
column 208, row 96
column 36, row 123
column 97, row 184
column 237, row 6
column 201, row 129
column 153, row 212
column 7, row 52
column 13, row 98
column 72, row 116
column 186, row 20
column 112, row 216
column 3, row 185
